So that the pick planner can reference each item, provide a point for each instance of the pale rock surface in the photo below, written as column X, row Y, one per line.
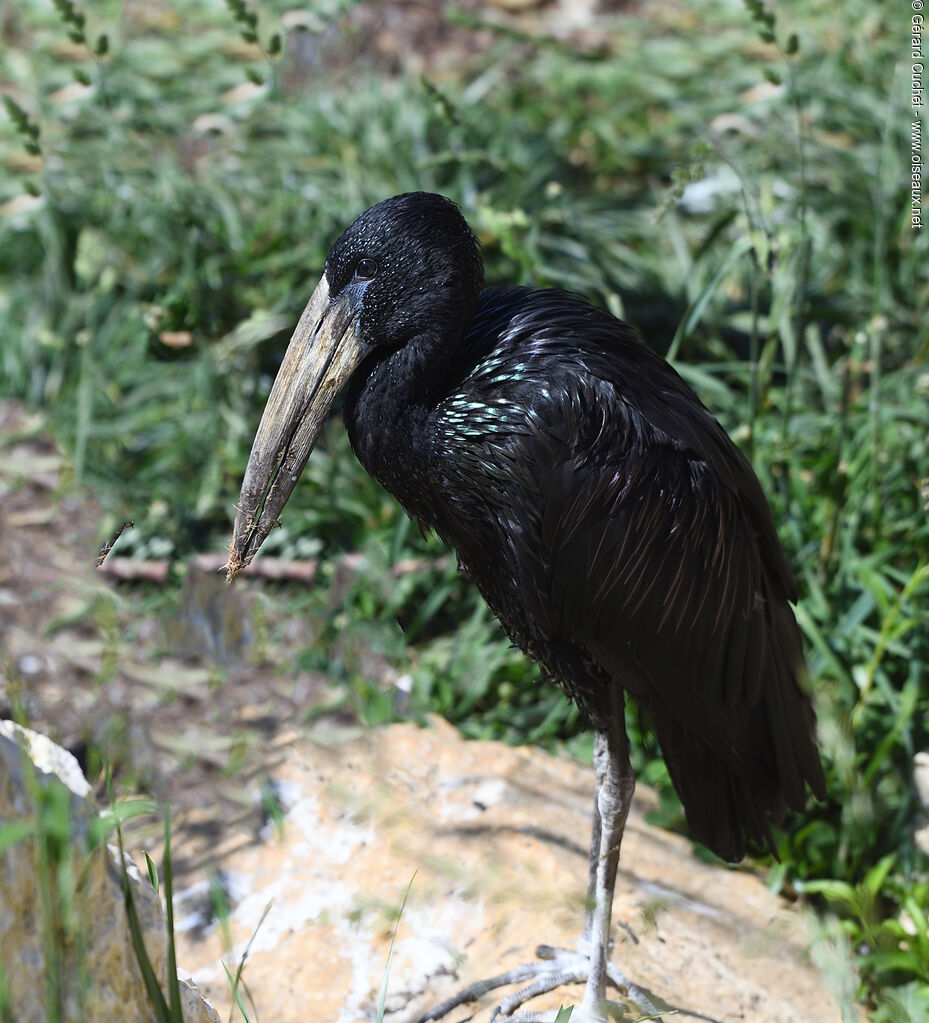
column 99, row 976
column 492, row 843
column 921, row 774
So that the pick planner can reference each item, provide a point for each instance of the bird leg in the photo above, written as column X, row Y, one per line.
column 590, row 963
column 615, row 785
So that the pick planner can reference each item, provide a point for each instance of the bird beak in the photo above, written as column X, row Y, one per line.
column 324, row 351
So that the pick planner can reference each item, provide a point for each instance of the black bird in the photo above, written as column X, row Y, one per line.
column 612, row 526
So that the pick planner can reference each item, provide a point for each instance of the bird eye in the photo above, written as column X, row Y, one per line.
column 366, row 269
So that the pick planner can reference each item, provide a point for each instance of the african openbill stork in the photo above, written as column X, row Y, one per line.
column 619, row 535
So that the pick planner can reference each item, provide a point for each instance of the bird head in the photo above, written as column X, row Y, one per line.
column 408, row 267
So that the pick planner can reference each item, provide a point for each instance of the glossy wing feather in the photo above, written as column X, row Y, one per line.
column 642, row 553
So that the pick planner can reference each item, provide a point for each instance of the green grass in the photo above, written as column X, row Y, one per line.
column 747, row 206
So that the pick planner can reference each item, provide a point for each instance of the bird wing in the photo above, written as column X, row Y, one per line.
column 660, row 563
column 649, row 539
column 635, row 527
column 632, row 544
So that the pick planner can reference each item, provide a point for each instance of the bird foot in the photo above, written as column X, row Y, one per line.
column 554, row 968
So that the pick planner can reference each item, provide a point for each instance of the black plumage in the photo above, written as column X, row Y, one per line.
column 612, row 526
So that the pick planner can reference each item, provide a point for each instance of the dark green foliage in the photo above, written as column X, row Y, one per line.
column 26, row 127
column 72, row 18
column 747, row 207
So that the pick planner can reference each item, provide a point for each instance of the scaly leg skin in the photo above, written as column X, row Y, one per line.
column 590, row 964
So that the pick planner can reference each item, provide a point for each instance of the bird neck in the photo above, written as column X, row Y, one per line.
column 386, row 407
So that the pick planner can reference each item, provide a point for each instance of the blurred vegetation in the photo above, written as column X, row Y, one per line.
column 735, row 184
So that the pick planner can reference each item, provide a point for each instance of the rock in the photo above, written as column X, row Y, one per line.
column 95, row 971
column 492, row 842
column 921, row 776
